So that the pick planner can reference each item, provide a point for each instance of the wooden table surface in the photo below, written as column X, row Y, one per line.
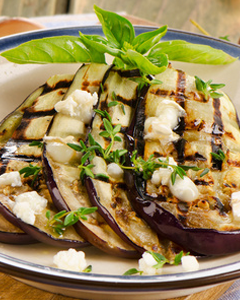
column 219, row 18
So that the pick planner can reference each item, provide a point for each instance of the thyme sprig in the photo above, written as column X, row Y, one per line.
column 63, row 219
column 31, row 170
column 146, row 168
column 208, row 88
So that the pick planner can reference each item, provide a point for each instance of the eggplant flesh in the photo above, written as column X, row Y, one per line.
column 111, row 197
column 63, row 177
column 205, row 225
column 16, row 154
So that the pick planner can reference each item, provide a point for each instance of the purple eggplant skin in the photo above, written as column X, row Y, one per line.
column 94, row 199
column 38, row 235
column 198, row 240
column 16, row 238
column 84, row 232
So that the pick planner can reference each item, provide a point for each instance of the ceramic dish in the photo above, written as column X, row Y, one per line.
column 33, row 264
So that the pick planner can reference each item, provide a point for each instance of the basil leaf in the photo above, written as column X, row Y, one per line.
column 100, row 43
column 144, row 64
column 63, row 49
column 194, row 53
column 145, row 41
column 116, row 28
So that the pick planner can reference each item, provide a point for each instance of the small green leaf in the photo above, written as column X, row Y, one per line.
column 36, row 143
column 75, row 147
column 88, row 269
column 204, row 172
column 132, row 271
column 112, row 103
column 107, row 126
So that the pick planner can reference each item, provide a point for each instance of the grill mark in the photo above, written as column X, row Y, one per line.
column 36, row 114
column 61, row 84
column 217, row 132
column 180, row 99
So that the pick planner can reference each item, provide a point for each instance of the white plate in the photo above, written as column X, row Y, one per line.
column 33, row 264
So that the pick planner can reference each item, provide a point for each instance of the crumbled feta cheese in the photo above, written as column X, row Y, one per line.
column 11, row 178
column 161, row 126
column 71, row 260
column 235, row 203
column 189, row 263
column 146, row 264
column 115, row 171
column 184, row 189
column 58, row 149
column 27, row 205
column 79, row 104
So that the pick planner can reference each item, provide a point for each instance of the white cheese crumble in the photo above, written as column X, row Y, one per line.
column 235, row 203
column 115, row 171
column 27, row 205
column 184, row 189
column 58, row 149
column 189, row 263
column 160, row 127
column 79, row 104
column 11, row 178
column 71, row 260
column 146, row 265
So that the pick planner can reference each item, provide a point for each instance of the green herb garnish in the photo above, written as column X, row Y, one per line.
column 63, row 219
column 31, row 170
column 208, row 88
column 146, row 168
column 220, row 155
column 115, row 103
column 36, row 143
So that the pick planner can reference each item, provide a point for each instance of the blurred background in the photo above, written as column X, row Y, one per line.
column 219, row 18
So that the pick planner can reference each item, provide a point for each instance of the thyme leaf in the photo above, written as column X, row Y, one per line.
column 63, row 219
column 208, row 88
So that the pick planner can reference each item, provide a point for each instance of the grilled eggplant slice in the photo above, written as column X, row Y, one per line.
column 34, row 117
column 206, row 224
column 63, row 177
column 111, row 197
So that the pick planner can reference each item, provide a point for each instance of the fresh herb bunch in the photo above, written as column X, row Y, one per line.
column 129, row 51
column 208, row 88
column 161, row 261
column 63, row 219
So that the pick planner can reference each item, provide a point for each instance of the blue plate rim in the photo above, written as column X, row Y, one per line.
column 172, row 34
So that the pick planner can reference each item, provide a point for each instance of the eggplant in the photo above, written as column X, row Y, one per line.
column 63, row 175
column 205, row 225
column 17, row 153
column 111, row 197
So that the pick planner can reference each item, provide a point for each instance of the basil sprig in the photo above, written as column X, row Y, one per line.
column 144, row 51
